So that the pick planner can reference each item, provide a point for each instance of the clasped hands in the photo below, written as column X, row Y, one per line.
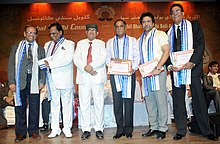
column 89, row 69
column 118, row 60
column 188, row 65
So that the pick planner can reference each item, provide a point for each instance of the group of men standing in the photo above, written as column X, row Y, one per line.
column 91, row 57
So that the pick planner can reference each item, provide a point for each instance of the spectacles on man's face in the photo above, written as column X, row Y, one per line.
column 175, row 11
column 92, row 29
column 31, row 33
column 53, row 33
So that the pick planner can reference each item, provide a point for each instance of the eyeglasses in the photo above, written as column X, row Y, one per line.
column 53, row 33
column 175, row 11
column 92, row 29
column 31, row 33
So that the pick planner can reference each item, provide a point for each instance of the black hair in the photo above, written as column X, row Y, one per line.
column 213, row 63
column 120, row 20
column 178, row 5
column 148, row 14
column 58, row 26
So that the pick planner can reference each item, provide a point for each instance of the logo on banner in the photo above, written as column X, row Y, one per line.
column 105, row 13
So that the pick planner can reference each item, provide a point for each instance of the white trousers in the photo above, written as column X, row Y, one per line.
column 66, row 97
column 86, row 92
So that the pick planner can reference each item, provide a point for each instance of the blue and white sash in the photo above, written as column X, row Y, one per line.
column 51, row 45
column 182, row 77
column 21, row 51
column 19, row 57
column 123, row 82
column 48, row 54
column 147, row 49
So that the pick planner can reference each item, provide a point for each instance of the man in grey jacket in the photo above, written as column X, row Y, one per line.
column 26, row 80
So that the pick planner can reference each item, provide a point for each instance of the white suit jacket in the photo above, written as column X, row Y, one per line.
column 98, row 61
column 61, row 64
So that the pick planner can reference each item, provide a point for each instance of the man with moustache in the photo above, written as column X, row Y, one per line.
column 123, row 47
column 91, row 76
column 186, row 35
column 154, row 45
column 59, row 62
column 26, row 80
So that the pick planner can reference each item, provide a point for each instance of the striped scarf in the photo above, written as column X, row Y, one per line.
column 182, row 77
column 122, row 82
column 20, row 52
column 149, row 51
column 48, row 54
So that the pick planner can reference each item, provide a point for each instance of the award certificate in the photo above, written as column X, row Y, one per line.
column 181, row 57
column 146, row 68
column 123, row 68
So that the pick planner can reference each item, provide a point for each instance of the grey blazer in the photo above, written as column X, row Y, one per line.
column 23, row 73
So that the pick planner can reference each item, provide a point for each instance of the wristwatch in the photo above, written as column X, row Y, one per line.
column 157, row 68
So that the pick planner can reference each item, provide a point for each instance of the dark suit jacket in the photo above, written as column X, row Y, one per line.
column 23, row 73
column 198, row 46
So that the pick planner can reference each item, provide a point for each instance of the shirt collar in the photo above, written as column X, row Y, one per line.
column 32, row 43
column 213, row 75
column 178, row 25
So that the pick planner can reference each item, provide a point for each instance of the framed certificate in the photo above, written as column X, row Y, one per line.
column 146, row 68
column 181, row 57
column 122, row 68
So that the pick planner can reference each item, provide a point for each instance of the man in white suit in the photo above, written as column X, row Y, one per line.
column 89, row 59
column 59, row 61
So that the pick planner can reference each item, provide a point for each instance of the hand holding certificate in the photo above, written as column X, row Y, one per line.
column 120, row 68
column 146, row 68
column 180, row 58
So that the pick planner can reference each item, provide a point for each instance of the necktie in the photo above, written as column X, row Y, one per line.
column 29, row 59
column 178, row 42
column 89, row 56
column 53, row 50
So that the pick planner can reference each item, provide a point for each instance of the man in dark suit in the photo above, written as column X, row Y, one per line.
column 119, row 48
column 211, row 85
column 26, row 79
column 186, row 35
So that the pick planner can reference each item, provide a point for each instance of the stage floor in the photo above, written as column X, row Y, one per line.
column 7, row 137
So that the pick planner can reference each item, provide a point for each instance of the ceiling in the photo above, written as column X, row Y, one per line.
column 67, row 1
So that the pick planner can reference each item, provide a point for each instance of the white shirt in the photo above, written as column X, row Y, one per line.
column 176, row 26
column 135, row 50
column 216, row 82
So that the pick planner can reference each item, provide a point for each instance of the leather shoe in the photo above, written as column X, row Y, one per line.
column 44, row 128
column 178, row 137
column 212, row 137
column 118, row 136
column 19, row 138
column 85, row 135
column 3, row 127
column 99, row 134
column 149, row 133
column 161, row 135
column 35, row 136
column 130, row 135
